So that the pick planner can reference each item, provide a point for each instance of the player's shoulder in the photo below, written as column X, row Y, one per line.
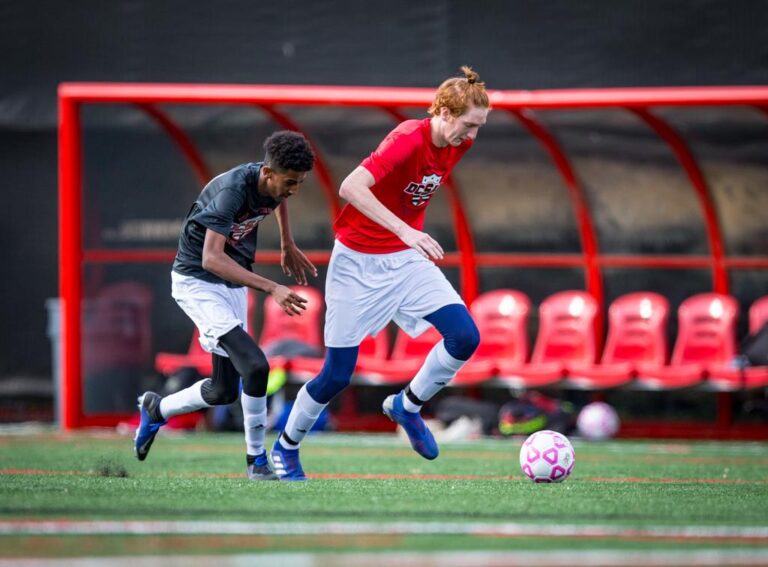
column 409, row 133
column 236, row 177
column 410, row 128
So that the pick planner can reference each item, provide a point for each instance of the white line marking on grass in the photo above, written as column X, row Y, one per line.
column 68, row 527
column 597, row 558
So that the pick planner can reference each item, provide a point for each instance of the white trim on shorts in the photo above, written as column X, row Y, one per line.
column 364, row 292
column 214, row 308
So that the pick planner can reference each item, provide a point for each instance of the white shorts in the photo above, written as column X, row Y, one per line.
column 214, row 308
column 364, row 292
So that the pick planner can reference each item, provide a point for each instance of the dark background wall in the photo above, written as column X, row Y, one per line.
column 513, row 44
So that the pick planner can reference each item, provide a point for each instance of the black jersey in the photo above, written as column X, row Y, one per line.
column 230, row 205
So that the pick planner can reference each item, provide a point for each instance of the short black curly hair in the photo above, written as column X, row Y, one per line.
column 286, row 150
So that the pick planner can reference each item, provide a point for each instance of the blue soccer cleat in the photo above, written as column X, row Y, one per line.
column 286, row 463
column 148, row 428
column 419, row 434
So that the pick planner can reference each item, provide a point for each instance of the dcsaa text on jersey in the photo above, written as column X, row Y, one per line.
column 421, row 192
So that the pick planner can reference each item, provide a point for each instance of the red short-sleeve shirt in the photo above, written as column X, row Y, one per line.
column 408, row 169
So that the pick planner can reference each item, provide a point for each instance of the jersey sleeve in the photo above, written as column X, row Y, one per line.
column 393, row 151
column 219, row 214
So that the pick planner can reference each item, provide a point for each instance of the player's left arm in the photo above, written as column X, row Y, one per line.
column 295, row 264
column 356, row 189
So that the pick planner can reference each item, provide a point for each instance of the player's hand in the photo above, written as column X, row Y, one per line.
column 292, row 303
column 295, row 264
column 423, row 243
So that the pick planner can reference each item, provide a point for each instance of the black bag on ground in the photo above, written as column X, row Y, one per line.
column 755, row 347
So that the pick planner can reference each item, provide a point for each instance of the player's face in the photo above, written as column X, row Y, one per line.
column 283, row 184
column 457, row 129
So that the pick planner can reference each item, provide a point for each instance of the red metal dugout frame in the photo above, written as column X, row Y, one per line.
column 72, row 256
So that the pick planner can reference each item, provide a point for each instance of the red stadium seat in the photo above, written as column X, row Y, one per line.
column 286, row 339
column 117, row 328
column 703, row 322
column 279, row 327
column 705, row 348
column 502, row 319
column 637, row 324
column 566, row 337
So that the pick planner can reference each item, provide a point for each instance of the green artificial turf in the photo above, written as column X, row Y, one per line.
column 359, row 479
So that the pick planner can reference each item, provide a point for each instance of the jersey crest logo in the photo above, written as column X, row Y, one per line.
column 422, row 192
column 245, row 227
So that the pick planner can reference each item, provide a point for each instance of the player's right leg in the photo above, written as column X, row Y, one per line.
column 216, row 310
column 311, row 400
column 222, row 388
column 150, row 421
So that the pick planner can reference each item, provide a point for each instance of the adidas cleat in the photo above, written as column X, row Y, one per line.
column 259, row 469
column 145, row 433
column 419, row 434
column 286, row 463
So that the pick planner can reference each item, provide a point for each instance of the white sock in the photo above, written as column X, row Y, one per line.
column 438, row 369
column 255, row 422
column 303, row 416
column 185, row 401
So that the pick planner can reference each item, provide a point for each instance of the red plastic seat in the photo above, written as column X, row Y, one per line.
column 566, row 337
column 637, row 324
column 502, row 318
column 306, row 328
column 117, row 329
column 704, row 349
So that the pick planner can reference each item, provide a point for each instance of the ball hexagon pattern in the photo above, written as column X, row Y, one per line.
column 547, row 456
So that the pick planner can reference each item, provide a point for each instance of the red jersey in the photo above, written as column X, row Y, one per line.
column 408, row 169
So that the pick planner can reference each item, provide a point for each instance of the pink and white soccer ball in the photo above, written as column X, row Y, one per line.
column 597, row 421
column 547, row 456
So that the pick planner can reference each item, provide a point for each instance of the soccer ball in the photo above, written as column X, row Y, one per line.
column 547, row 456
column 597, row 421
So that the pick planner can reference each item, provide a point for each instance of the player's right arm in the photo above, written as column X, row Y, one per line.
column 216, row 261
column 356, row 189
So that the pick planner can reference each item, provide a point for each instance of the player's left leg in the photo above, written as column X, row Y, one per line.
column 246, row 359
column 460, row 339
column 311, row 400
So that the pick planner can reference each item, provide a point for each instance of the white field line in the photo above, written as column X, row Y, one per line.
column 67, row 527
column 596, row 558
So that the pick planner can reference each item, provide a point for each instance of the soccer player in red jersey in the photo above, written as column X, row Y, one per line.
column 382, row 268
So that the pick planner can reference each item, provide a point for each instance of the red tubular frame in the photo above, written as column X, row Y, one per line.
column 594, row 279
column 686, row 159
column 72, row 256
column 181, row 139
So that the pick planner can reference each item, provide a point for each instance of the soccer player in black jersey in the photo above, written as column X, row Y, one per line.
column 210, row 280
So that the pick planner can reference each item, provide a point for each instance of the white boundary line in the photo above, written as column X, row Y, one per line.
column 67, row 527
column 598, row 558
